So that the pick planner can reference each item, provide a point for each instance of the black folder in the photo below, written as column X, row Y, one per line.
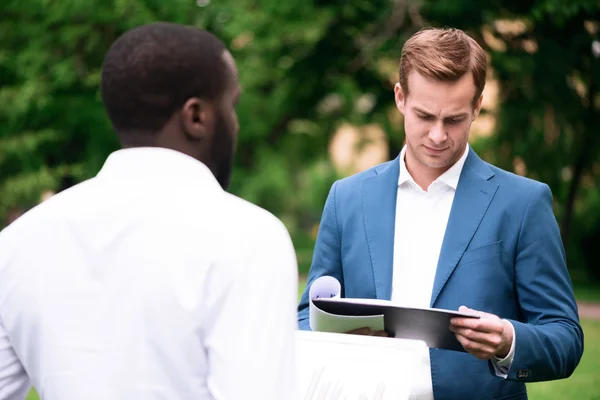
column 431, row 325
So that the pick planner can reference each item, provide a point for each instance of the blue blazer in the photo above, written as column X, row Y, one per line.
column 502, row 253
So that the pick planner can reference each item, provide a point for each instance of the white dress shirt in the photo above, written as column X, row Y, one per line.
column 421, row 220
column 147, row 282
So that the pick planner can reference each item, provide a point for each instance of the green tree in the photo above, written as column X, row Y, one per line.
column 305, row 67
column 291, row 57
column 546, row 57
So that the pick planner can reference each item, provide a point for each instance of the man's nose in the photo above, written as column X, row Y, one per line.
column 437, row 133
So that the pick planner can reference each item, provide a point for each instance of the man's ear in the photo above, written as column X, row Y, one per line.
column 477, row 107
column 400, row 98
column 197, row 118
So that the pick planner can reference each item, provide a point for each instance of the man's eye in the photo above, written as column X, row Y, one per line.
column 454, row 120
column 426, row 117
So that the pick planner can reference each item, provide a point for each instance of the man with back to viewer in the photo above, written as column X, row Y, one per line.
column 149, row 281
column 439, row 227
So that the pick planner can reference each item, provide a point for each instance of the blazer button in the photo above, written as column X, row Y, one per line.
column 523, row 373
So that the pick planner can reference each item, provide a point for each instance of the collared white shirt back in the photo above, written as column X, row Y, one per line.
column 147, row 282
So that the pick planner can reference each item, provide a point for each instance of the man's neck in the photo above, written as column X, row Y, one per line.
column 422, row 174
column 425, row 178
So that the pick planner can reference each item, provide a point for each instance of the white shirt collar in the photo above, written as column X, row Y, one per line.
column 450, row 177
column 155, row 163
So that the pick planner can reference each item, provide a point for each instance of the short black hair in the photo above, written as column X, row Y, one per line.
column 152, row 70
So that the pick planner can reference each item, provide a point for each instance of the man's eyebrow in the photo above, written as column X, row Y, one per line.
column 453, row 116
column 457, row 116
column 417, row 109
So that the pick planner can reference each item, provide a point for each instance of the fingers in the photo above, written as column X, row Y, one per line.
column 481, row 337
column 488, row 339
column 361, row 331
column 481, row 325
column 467, row 310
column 479, row 350
column 368, row 332
column 489, row 323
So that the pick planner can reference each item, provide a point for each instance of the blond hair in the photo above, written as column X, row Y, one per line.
column 445, row 55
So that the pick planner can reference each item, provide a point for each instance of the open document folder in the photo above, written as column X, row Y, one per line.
column 352, row 367
column 328, row 312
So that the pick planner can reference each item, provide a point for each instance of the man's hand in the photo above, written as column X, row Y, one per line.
column 485, row 337
column 368, row 332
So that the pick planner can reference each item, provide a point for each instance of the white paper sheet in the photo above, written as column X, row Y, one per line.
column 328, row 287
column 353, row 367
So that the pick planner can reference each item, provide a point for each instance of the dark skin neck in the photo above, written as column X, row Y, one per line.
column 172, row 136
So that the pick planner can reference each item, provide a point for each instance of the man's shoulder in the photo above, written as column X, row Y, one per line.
column 517, row 184
column 517, row 192
column 354, row 181
column 44, row 212
column 247, row 215
column 37, row 223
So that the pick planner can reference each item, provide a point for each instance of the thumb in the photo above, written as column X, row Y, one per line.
column 468, row 310
column 474, row 312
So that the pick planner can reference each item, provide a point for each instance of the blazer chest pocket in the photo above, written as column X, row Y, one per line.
column 480, row 253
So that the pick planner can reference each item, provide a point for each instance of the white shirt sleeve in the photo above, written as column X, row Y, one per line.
column 14, row 383
column 250, row 331
column 502, row 366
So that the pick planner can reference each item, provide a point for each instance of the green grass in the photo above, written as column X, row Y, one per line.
column 301, row 286
column 584, row 287
column 589, row 293
column 583, row 384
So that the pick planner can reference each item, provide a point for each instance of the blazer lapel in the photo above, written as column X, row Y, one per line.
column 473, row 196
column 379, row 215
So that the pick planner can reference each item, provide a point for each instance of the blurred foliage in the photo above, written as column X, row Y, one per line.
column 306, row 68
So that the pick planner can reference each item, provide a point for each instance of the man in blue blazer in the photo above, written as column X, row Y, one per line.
column 439, row 227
